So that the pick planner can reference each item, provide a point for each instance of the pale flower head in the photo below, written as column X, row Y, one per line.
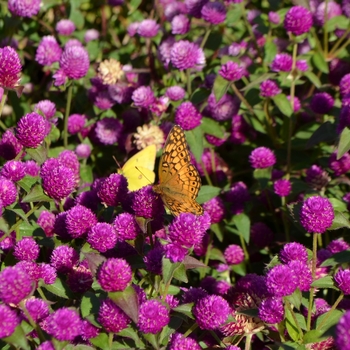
column 110, row 71
column 149, row 135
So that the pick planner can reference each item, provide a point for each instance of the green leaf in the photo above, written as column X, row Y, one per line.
column 338, row 205
column 36, row 195
column 220, row 87
column 27, row 182
column 101, row 341
column 212, row 127
column 18, row 339
column 93, row 48
column 283, row 104
column 38, row 154
column 168, row 269
column 263, row 176
column 216, row 254
column 128, row 301
column 337, row 259
column 185, row 309
column 194, row 138
column 90, row 304
column 77, row 17
column 295, row 298
column 344, row 142
column 259, row 80
column 332, row 319
column 325, row 133
column 314, row 79
column 152, row 339
column 86, row 174
column 242, row 223
column 337, row 22
column 60, row 289
column 291, row 326
column 132, row 334
column 199, row 96
column 217, row 229
column 233, row 15
column 134, row 4
column 319, row 62
column 339, row 221
column 19, row 211
column 312, row 336
column 180, row 274
column 207, row 192
column 270, row 50
column 323, row 282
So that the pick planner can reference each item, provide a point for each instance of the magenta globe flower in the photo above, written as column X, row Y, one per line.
column 10, row 69
column 262, row 157
column 298, row 20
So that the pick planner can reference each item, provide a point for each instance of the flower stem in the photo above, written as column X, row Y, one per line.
column 69, row 101
column 328, row 313
column 3, row 99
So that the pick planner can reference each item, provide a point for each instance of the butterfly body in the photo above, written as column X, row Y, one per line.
column 179, row 181
column 139, row 168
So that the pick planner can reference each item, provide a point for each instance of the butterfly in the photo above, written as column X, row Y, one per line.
column 139, row 168
column 179, row 180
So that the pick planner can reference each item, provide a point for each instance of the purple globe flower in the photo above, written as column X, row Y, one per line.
column 153, row 316
column 10, row 70
column 302, row 65
column 342, row 332
column 223, row 109
column 338, row 245
column 321, row 103
column 178, row 341
column 48, row 51
column 216, row 141
column 113, row 189
column 185, row 55
column 316, row 177
column 108, row 130
column 132, row 28
column 164, row 50
column 274, row 18
column 234, row 254
column 31, row 268
column 26, row 249
column 121, row 92
column 111, row 317
column 293, row 251
column 261, row 235
column 188, row 229
column 187, row 116
column 316, row 214
column 153, row 260
column 31, row 130
column 271, row 310
column 47, row 108
column 72, row 42
column 91, row 34
column 146, row 203
column 269, row 88
column 298, row 20
column 344, row 85
column 262, row 158
column 80, row 279
column 180, row 24
column 89, row 331
column 282, row 187
column 126, row 227
column 64, row 258
column 143, row 96
column 216, row 209
column 214, row 12
column 46, row 221
column 65, row 27
column 24, row 8
column 46, row 345
column 88, row 199
column 303, row 273
column 79, row 219
column 342, row 278
column 76, row 123
column 237, row 196
column 48, row 273
column 8, row 192
column 324, row 13
column 174, row 252
column 8, row 321
column 13, row 170
column 231, row 71
column 102, row 237
column 192, row 295
column 37, row 308
column 194, row 7
column 211, row 312
column 175, row 93
column 83, row 151
column 281, row 281
column 15, row 284
column 282, row 63
column 9, row 145
column 64, row 324
column 339, row 166
column 114, row 275
column 344, row 118
column 173, row 9
column 148, row 28
column 31, row 168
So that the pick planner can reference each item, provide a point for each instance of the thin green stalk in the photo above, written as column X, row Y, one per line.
column 30, row 212
column 284, row 219
column 325, row 30
column 244, row 247
column 339, row 42
column 3, row 99
column 248, row 341
column 206, row 36
column 42, row 295
column 68, row 105
column 313, row 271
column 191, row 329
column 328, row 313
column 294, row 318
column 188, row 75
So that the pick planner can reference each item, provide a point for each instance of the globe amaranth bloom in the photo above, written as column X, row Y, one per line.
column 282, row 63
column 274, row 17
column 194, row 7
column 114, row 275
column 214, row 12
column 148, row 28
column 111, row 317
column 262, row 157
column 339, row 166
column 293, row 251
column 261, row 235
column 281, row 281
column 216, row 209
column 10, row 70
column 65, row 27
column 187, row 116
column 24, row 8
column 31, row 130
column 76, row 123
column 83, row 151
column 338, row 245
column 26, row 249
column 143, row 97
column 282, row 187
column 9, row 145
column 223, row 109
column 153, row 316
column 188, row 229
column 303, row 273
column 231, row 71
column 126, row 227
column 321, row 103
column 64, row 324
column 63, row 258
column 342, row 332
column 271, row 310
column 185, row 55
column 108, row 130
column 316, row 177
column 46, row 221
column 316, row 214
column 298, row 20
column 153, row 260
column 174, row 252
column 15, row 284
column 234, row 254
column 113, row 189
column 48, row 51
column 8, row 321
column 102, row 237
column 74, row 64
column 269, row 88
column 13, row 170
column 79, row 219
column 180, row 24
column 179, row 341
column 37, row 308
column 342, row 277
column 80, row 279
column 211, row 312
column 8, row 192
column 48, row 273
column 344, row 85
column 91, row 34
column 325, row 11
column 46, row 345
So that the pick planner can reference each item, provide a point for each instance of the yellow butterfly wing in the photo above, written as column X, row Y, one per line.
column 179, row 180
column 139, row 169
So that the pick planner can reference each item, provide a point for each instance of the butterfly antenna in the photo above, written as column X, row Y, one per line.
column 150, row 182
column 117, row 162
